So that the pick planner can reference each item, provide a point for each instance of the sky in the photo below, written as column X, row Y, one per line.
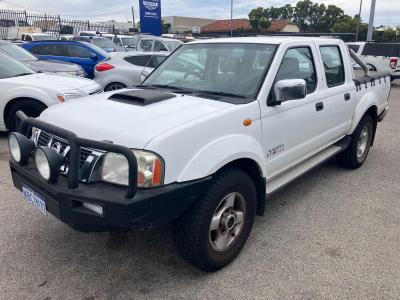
column 387, row 11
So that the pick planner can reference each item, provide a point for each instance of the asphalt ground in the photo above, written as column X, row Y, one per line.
column 332, row 234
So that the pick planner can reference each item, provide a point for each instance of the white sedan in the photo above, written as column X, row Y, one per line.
column 24, row 89
column 126, row 69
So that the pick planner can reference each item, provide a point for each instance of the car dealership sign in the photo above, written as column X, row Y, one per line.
column 150, row 17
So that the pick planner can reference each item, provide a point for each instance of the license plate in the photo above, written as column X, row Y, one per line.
column 34, row 199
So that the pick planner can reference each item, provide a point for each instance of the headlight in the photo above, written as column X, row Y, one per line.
column 150, row 169
column 67, row 96
column 20, row 147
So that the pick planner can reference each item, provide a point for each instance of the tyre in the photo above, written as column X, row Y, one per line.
column 356, row 153
column 114, row 86
column 213, row 232
column 31, row 108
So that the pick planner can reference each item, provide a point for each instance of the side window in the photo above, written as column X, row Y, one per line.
column 54, row 50
column 78, row 51
column 298, row 63
column 138, row 60
column 333, row 65
column 146, row 45
column 158, row 46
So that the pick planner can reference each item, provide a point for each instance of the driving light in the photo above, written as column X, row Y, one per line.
column 115, row 169
column 48, row 163
column 20, row 147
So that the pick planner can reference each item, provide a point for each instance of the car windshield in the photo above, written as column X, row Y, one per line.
column 172, row 45
column 43, row 38
column 103, row 43
column 9, row 67
column 129, row 42
column 234, row 69
column 17, row 52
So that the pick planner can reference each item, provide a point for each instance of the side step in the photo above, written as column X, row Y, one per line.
column 280, row 181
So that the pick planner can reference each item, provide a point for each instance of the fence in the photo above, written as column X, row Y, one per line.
column 53, row 25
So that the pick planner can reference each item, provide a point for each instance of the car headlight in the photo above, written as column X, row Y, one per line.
column 72, row 73
column 68, row 96
column 115, row 169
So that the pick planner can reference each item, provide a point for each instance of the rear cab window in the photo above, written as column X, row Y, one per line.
column 333, row 65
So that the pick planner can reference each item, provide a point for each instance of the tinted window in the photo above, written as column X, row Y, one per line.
column 355, row 48
column 298, row 63
column 78, row 51
column 55, row 50
column 333, row 65
column 139, row 60
column 146, row 45
column 158, row 46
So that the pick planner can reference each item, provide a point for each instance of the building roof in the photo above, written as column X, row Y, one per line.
column 242, row 24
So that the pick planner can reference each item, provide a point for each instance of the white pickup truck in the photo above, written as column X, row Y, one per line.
column 201, row 144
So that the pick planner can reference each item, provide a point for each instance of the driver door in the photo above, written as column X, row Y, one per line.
column 292, row 130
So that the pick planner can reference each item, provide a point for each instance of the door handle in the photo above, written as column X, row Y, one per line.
column 347, row 97
column 319, row 106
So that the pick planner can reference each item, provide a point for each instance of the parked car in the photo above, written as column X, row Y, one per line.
column 22, row 88
column 84, row 54
column 156, row 44
column 204, row 148
column 46, row 66
column 127, row 42
column 382, row 57
column 99, row 41
column 127, row 69
column 29, row 37
column 91, row 33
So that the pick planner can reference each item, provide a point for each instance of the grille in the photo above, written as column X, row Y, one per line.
column 45, row 138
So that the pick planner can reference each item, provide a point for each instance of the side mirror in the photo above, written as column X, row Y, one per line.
column 287, row 90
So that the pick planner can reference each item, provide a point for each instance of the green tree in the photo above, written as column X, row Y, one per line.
column 259, row 20
column 349, row 25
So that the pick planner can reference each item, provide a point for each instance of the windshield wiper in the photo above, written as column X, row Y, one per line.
column 221, row 94
column 173, row 88
column 23, row 74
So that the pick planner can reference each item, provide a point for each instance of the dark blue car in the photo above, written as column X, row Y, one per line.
column 83, row 54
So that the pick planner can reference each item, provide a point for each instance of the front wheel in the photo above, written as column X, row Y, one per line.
column 114, row 87
column 213, row 232
column 356, row 153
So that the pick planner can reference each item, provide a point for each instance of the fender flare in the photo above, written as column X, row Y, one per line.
column 220, row 152
column 368, row 101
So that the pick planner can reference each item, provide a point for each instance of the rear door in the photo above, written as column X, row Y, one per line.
column 82, row 56
column 339, row 89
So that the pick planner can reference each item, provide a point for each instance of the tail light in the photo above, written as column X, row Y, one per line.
column 104, row 67
column 393, row 62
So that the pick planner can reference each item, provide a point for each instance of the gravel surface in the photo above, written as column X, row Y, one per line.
column 332, row 234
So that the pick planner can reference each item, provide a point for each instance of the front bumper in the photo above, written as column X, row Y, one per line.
column 148, row 208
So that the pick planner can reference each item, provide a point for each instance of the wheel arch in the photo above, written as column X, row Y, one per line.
column 11, row 102
column 251, row 168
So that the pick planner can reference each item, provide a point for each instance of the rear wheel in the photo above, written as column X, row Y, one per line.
column 212, row 233
column 356, row 153
column 30, row 107
column 114, row 86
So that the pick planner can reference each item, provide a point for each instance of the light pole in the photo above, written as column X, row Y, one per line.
column 371, row 21
column 359, row 20
column 231, row 18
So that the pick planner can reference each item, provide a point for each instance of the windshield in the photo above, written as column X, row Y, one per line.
column 9, row 67
column 234, row 69
column 103, row 43
column 129, row 42
column 17, row 52
column 172, row 45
